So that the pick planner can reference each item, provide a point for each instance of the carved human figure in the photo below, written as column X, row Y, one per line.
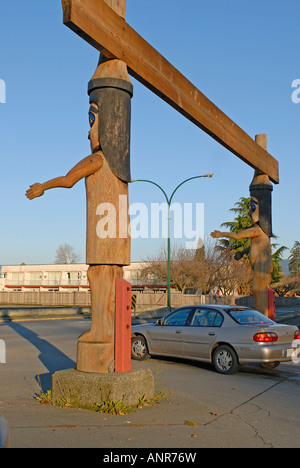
column 260, row 232
column 107, row 173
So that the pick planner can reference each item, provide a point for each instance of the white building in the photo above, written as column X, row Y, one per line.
column 67, row 277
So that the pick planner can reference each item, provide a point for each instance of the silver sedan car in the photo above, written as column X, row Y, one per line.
column 226, row 336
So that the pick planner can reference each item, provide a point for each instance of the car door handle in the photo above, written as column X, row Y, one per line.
column 211, row 334
column 178, row 332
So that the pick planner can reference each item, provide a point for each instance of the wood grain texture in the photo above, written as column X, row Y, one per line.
column 95, row 350
column 107, row 243
column 96, row 347
column 105, row 30
column 119, row 6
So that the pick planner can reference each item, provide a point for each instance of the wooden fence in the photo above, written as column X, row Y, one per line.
column 144, row 300
column 45, row 298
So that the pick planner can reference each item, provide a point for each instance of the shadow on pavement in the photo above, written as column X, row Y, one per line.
column 50, row 356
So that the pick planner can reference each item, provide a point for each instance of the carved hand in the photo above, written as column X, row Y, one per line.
column 35, row 191
column 216, row 234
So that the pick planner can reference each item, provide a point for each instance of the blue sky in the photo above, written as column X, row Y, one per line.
column 242, row 55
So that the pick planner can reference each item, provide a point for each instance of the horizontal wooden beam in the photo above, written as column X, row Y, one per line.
column 105, row 30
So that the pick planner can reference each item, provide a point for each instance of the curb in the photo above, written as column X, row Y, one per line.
column 44, row 318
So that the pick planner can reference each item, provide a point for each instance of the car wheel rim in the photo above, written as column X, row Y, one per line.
column 139, row 348
column 224, row 360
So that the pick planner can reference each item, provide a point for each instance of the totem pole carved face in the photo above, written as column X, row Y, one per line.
column 113, row 97
column 261, row 206
column 254, row 210
column 94, row 131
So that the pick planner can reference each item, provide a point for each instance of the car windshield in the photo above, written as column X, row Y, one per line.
column 249, row 317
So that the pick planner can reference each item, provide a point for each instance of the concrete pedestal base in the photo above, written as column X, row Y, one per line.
column 85, row 390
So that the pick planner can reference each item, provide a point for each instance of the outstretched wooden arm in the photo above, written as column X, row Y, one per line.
column 83, row 169
column 246, row 234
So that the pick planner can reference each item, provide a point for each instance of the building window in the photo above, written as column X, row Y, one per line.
column 54, row 278
column 74, row 277
column 17, row 279
column 35, row 278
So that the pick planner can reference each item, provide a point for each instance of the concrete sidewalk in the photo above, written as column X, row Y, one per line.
column 14, row 313
column 247, row 411
column 288, row 315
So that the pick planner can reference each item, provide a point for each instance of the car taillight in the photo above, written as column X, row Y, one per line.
column 265, row 337
column 297, row 335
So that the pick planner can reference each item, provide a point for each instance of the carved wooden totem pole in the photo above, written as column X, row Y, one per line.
column 260, row 233
column 107, row 173
column 110, row 93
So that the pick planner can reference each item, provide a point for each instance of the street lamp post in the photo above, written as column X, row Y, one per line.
column 169, row 201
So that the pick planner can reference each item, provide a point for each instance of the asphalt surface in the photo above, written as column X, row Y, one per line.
column 200, row 409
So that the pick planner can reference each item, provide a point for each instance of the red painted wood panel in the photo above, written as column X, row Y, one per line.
column 123, row 327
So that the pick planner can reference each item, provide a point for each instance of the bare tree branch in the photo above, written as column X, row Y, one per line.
column 65, row 254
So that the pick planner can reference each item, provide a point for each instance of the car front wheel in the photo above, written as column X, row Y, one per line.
column 225, row 360
column 139, row 350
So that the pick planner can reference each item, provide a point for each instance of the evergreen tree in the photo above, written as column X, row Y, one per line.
column 241, row 221
column 294, row 260
column 277, row 273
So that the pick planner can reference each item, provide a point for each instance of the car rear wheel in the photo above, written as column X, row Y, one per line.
column 139, row 349
column 225, row 360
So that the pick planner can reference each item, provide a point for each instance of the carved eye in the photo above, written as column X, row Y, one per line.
column 92, row 119
column 253, row 207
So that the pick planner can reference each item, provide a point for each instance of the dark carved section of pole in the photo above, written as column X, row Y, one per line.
column 113, row 96
column 263, row 193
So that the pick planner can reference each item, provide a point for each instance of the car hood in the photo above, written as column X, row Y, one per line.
column 143, row 326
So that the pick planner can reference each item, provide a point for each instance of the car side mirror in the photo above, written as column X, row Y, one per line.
column 160, row 322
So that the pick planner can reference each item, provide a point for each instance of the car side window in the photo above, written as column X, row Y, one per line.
column 218, row 320
column 178, row 318
column 206, row 318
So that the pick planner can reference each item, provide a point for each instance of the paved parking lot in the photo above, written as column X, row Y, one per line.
column 254, row 408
